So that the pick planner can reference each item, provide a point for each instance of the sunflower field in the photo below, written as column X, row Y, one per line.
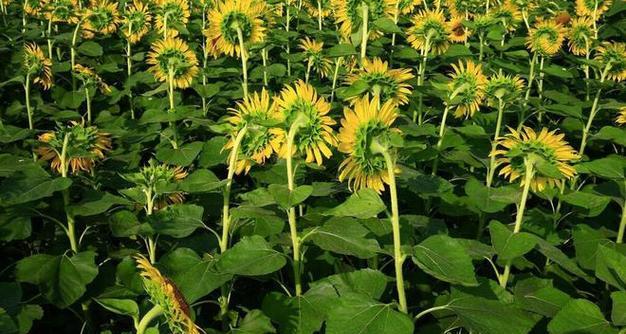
column 313, row 166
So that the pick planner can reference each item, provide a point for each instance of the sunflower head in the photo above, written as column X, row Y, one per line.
column 313, row 8
column 482, row 23
column 382, row 81
column 546, row 38
column 592, row 8
column 164, row 293
column 158, row 182
column 466, row 7
column 467, row 88
column 173, row 57
column 613, row 56
column 547, row 152
column 503, row 88
column 581, row 36
column 35, row 7
column 101, row 17
column 508, row 14
column 62, row 11
column 621, row 116
column 300, row 106
column 90, row 78
column 231, row 18
column 84, row 145
column 348, row 14
column 312, row 50
column 365, row 121
column 258, row 114
column 136, row 22
column 430, row 32
column 37, row 65
column 458, row 32
column 170, row 15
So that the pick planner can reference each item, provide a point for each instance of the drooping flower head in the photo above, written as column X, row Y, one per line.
column 312, row 50
column 101, row 17
column 230, row 18
column 613, row 55
column 526, row 146
column 482, row 23
column 315, row 137
column 388, row 84
column 546, row 38
column 503, row 87
column 459, row 33
column 581, row 36
column 592, row 8
column 258, row 113
column 158, row 182
column 173, row 56
column 90, row 78
column 62, row 11
column 621, row 116
column 508, row 15
column 407, row 6
column 164, row 293
column 136, row 22
column 429, row 32
column 313, row 8
column 366, row 120
column 171, row 15
column 466, row 7
column 348, row 15
column 467, row 88
column 85, row 146
column 34, row 7
column 37, row 66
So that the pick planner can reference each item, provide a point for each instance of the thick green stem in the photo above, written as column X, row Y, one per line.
column 29, row 110
column 244, row 61
column 442, row 132
column 232, row 166
column 170, row 95
column 287, row 24
column 430, row 310
column 528, row 177
column 264, row 57
column 129, row 71
column 622, row 224
column 88, row 101
column 71, row 228
column 148, row 317
column 152, row 247
column 540, row 85
column 364, row 32
column 50, row 38
column 531, row 79
column 492, row 159
column 293, row 227
column 481, row 46
column 319, row 15
column 335, row 76
column 417, row 114
column 309, row 65
column 594, row 111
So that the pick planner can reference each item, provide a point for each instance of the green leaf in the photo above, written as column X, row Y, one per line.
column 357, row 88
column 557, row 71
column 120, row 306
column 255, row 322
column 96, row 203
column 90, row 48
column 480, row 196
column 182, row 156
column 341, row 50
column 592, row 204
column 286, row 199
column 14, row 227
column 580, row 316
column 201, row 181
column 365, row 281
column 509, row 245
column 612, row 167
column 387, row 25
column 252, row 256
column 23, row 188
column 611, row 133
column 26, row 316
column 178, row 220
column 611, row 267
column 345, row 236
column 357, row 313
column 363, row 204
column 213, row 153
column 561, row 259
column 446, row 259
column 539, row 296
column 618, row 310
column 586, row 242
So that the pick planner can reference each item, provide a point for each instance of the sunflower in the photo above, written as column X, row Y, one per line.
column 348, row 14
column 157, row 181
column 581, row 36
column 503, row 87
column 466, row 7
column 62, row 11
column 229, row 18
column 91, row 78
column 85, row 145
column 388, row 84
column 613, row 55
column 592, row 8
column 312, row 7
column 37, row 65
column 259, row 115
column 482, row 23
column 361, row 124
column 526, row 146
column 621, row 116
column 546, row 38
column 101, row 17
column 315, row 136
column 34, row 7
column 508, row 14
column 458, row 32
column 467, row 87
column 430, row 32
column 170, row 14
column 136, row 20
column 173, row 54
column 313, row 52
column 164, row 293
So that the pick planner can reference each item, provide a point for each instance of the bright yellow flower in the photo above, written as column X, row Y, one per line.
column 581, row 36
column 313, row 52
column 468, row 85
column 348, row 15
column 366, row 120
column 34, row 7
column 429, row 31
column 407, row 6
column 517, row 147
column 37, row 65
column 173, row 54
column 259, row 115
column 85, row 146
column 312, row 7
column 228, row 17
column 388, row 84
column 100, row 17
column 91, row 78
column 621, row 116
column 592, row 8
column 613, row 54
column 546, row 38
column 508, row 14
column 315, row 137
column 170, row 14
column 137, row 20
column 62, row 11
column 458, row 32
column 164, row 293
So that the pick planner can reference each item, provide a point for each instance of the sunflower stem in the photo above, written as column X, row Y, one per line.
column 335, row 76
column 540, row 85
column 244, row 61
column 319, row 15
column 494, row 144
column 73, row 51
column 528, row 177
column 151, row 242
column 481, row 46
column 594, row 111
column 264, row 58
column 287, row 24
column 88, row 101
column 170, row 95
column 622, row 223
column 442, row 132
column 308, row 70
column 430, row 310
column 232, row 166
column 364, row 32
column 129, row 70
column 50, row 38
column 71, row 228
column 148, row 317
column 29, row 111
column 418, row 115
column 531, row 78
